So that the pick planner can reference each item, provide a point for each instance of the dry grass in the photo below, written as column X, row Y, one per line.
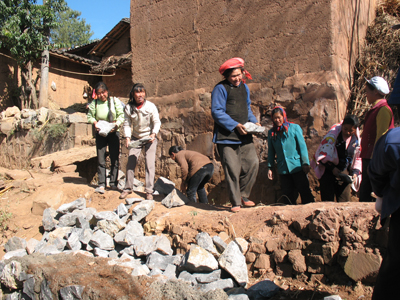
column 380, row 56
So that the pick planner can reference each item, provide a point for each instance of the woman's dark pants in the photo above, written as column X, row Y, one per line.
column 112, row 140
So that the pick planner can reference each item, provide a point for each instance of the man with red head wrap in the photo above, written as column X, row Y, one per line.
column 230, row 108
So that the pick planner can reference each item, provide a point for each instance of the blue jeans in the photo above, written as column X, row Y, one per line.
column 197, row 182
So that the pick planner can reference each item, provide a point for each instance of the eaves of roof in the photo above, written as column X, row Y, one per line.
column 111, row 38
column 73, row 57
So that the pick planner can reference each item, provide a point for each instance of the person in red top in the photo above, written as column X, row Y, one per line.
column 377, row 122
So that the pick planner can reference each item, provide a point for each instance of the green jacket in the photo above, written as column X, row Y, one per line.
column 98, row 110
column 290, row 150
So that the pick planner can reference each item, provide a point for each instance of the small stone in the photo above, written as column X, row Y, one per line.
column 69, row 207
column 243, row 244
column 15, row 243
column 234, row 262
column 102, row 240
column 208, row 277
column 142, row 210
column 71, row 292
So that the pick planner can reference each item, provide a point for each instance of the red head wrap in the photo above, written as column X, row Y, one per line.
column 234, row 63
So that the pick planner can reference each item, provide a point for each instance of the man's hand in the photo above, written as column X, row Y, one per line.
column 153, row 137
column 241, row 129
column 270, row 175
column 306, row 168
column 127, row 141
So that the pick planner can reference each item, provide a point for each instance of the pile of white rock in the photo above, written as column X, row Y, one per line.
column 119, row 236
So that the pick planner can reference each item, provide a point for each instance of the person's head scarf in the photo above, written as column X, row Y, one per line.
column 234, row 63
column 285, row 125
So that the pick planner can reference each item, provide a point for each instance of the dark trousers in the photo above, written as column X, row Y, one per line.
column 112, row 140
column 197, row 182
column 331, row 187
column 240, row 163
column 293, row 184
column 365, row 188
column 386, row 285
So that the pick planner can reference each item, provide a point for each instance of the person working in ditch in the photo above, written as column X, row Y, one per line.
column 230, row 109
column 197, row 170
column 384, row 173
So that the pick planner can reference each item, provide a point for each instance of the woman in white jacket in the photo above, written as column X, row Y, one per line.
column 141, row 121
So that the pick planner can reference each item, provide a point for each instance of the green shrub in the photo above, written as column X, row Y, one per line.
column 5, row 216
column 56, row 130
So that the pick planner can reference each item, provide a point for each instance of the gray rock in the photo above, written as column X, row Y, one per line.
column 174, row 199
column 127, row 235
column 86, row 236
column 130, row 201
column 219, row 243
column 170, row 271
column 208, row 277
column 82, row 223
column 73, row 242
column 45, row 292
column 163, row 245
column 243, row 244
column 204, row 240
column 220, row 284
column 155, row 272
column 10, row 275
column 186, row 276
column 198, row 259
column 58, row 243
column 105, row 215
column 87, row 213
column 140, row 270
column 128, row 250
column 144, row 245
column 101, row 253
column 102, row 240
column 15, row 243
column 333, row 297
column 113, row 254
column 111, row 227
column 14, row 296
column 49, row 222
column 67, row 220
column 238, row 297
column 262, row 290
column 29, row 287
column 72, row 292
column 49, row 249
column 122, row 210
column 234, row 262
column 69, row 207
column 30, row 245
column 164, row 186
column 61, row 233
column 17, row 253
column 142, row 210
column 156, row 260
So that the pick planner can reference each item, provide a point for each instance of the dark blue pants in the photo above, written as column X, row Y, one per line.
column 386, row 285
column 293, row 184
column 112, row 140
column 197, row 182
column 365, row 191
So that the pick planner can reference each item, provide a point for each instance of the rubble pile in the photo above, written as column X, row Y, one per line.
column 119, row 236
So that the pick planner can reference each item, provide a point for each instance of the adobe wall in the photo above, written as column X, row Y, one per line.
column 300, row 54
column 69, row 86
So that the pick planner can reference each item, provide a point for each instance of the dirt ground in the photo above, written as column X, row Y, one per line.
column 27, row 188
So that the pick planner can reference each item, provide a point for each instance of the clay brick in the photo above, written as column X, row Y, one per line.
column 263, row 262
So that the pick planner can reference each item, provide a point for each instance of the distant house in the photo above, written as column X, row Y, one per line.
column 74, row 72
